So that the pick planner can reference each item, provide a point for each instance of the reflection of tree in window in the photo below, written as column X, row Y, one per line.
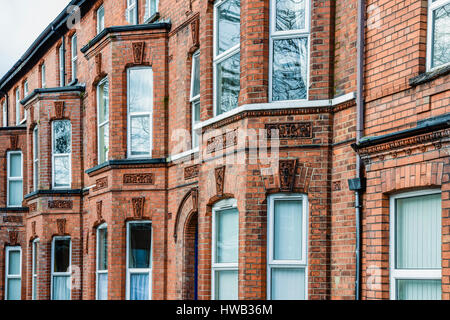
column 290, row 15
column 229, row 82
column 441, row 36
column 289, row 69
column 229, row 25
column 61, row 152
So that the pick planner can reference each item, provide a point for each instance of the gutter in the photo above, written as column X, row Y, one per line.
column 37, row 91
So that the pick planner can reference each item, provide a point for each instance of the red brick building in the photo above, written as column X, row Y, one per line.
column 229, row 149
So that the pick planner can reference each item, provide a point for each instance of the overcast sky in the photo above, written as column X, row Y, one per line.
column 21, row 22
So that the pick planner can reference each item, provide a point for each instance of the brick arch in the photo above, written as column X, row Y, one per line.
column 190, row 196
column 418, row 175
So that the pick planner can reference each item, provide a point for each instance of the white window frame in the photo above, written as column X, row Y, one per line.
column 7, row 276
column 17, row 106
column 43, row 76
column 61, row 155
column 68, row 273
column 74, row 55
column 97, row 270
column 139, row 270
column 5, row 114
column 35, row 158
column 222, row 205
column 132, row 6
column 9, row 178
column 194, row 99
column 218, row 58
column 62, row 70
column 100, row 22
column 289, row 34
column 34, row 267
column 104, row 123
column 25, row 94
column 406, row 274
column 148, row 10
column 132, row 114
column 432, row 6
column 297, row 264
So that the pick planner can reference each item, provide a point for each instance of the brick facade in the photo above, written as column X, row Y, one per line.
column 177, row 187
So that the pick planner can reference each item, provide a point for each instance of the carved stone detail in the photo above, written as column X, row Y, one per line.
column 100, row 184
column 191, row 172
column 60, row 204
column 138, row 178
column 13, row 219
column 195, row 32
column 61, row 225
column 222, row 141
column 138, row 207
column 33, row 207
column 59, row 109
column 138, row 52
column 194, row 195
column 33, row 228
column 13, row 237
column 220, row 179
column 98, row 63
column 99, row 210
column 14, row 140
column 336, row 186
column 290, row 130
column 287, row 174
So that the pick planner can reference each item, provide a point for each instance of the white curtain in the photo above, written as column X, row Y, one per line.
column 102, row 293
column 61, row 287
column 227, row 236
column 418, row 233
column 139, row 289
column 288, row 230
column 227, row 285
column 288, row 284
column 419, row 289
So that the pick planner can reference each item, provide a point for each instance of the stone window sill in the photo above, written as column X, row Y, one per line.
column 429, row 76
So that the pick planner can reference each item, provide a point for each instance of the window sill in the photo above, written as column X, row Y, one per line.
column 123, row 163
column 180, row 155
column 152, row 18
column 429, row 76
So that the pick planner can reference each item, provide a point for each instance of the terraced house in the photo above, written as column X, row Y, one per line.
column 257, row 149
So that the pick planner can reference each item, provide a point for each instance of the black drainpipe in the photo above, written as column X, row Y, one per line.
column 358, row 184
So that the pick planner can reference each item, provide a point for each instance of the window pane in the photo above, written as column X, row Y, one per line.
column 290, row 15
column 140, row 95
column 196, row 76
column 14, row 263
column 289, row 76
column 61, row 137
column 103, row 102
column 61, row 288
column 15, row 162
column 288, row 217
column 288, row 284
column 228, row 33
column 61, row 255
column 196, row 119
column 36, row 143
column 35, row 255
column 139, row 289
column 140, row 135
column 419, row 289
column 441, row 36
column 226, row 285
column 15, row 193
column 14, row 289
column 227, row 233
column 103, row 142
column 418, row 237
column 228, row 83
column 34, row 288
column 140, row 242
column 102, row 293
column 101, row 18
column 102, row 249
column 62, row 171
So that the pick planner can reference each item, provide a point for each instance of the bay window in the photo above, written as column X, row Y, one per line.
column 438, row 53
column 62, row 152
column 61, row 268
column 34, row 266
column 13, row 271
column 14, row 188
column 74, row 57
column 195, row 97
column 140, row 110
column 287, row 247
column 35, row 158
column 100, row 19
column 103, row 120
column 102, row 262
column 139, row 260
column 415, row 259
column 132, row 12
column 227, row 20
column 225, row 250
column 289, row 50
